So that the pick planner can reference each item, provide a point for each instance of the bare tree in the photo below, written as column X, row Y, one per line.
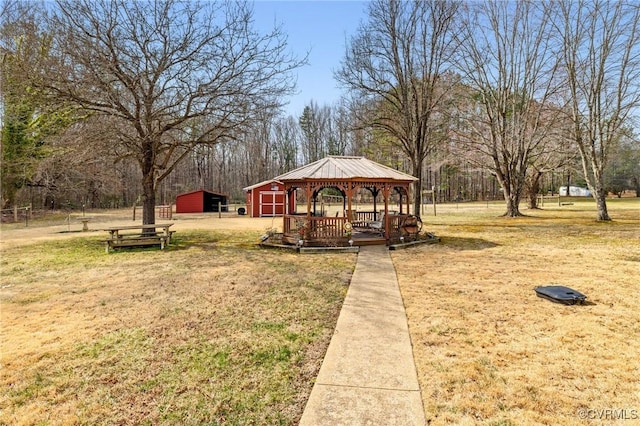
column 286, row 134
column 174, row 74
column 395, row 63
column 342, row 130
column 601, row 54
column 557, row 152
column 71, row 174
column 623, row 169
column 508, row 63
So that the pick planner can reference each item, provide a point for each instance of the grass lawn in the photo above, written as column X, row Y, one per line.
column 488, row 351
column 217, row 331
column 210, row 331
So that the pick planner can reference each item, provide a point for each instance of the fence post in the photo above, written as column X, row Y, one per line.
column 219, row 210
column 433, row 189
column 15, row 213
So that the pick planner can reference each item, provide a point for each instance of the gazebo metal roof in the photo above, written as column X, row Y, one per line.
column 344, row 167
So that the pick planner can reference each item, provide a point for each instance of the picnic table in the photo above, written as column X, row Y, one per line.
column 139, row 235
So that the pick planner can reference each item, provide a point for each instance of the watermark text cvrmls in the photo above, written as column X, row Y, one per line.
column 609, row 413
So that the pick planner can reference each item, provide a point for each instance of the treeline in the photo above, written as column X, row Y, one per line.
column 114, row 103
column 73, row 176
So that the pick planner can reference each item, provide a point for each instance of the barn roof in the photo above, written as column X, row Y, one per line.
column 344, row 167
column 203, row 191
column 259, row 184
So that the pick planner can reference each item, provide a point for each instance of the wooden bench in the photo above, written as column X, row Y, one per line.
column 137, row 241
column 144, row 235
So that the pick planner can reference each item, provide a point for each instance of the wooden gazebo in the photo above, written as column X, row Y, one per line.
column 348, row 175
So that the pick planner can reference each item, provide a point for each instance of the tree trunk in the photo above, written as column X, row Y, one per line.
column 601, row 204
column 595, row 182
column 148, row 187
column 635, row 181
column 533, row 188
column 512, row 193
column 417, row 193
column 532, row 201
column 512, row 183
column 513, row 204
column 148, row 201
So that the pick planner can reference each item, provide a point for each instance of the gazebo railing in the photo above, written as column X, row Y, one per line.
column 314, row 228
column 393, row 224
column 327, row 227
column 293, row 222
column 331, row 230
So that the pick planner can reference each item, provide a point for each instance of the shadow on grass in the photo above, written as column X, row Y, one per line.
column 585, row 303
column 208, row 241
column 459, row 243
column 186, row 244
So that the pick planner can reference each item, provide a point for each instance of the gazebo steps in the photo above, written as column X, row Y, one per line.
column 369, row 241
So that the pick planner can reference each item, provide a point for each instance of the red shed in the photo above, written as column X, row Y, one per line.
column 268, row 198
column 201, row 201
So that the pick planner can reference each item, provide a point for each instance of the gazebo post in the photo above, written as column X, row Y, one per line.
column 385, row 193
column 309, row 196
column 286, row 202
column 285, row 221
column 349, row 193
column 375, row 193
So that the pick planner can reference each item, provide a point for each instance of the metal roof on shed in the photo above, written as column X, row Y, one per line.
column 259, row 184
column 344, row 167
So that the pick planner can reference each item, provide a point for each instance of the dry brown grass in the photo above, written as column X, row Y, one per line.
column 210, row 331
column 216, row 331
column 488, row 351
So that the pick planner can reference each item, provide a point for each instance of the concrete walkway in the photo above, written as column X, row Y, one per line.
column 368, row 376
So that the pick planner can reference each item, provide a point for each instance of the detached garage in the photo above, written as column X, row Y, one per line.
column 201, row 201
column 267, row 198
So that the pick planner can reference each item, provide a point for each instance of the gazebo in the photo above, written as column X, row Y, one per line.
column 348, row 176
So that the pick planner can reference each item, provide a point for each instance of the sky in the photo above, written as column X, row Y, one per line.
column 320, row 27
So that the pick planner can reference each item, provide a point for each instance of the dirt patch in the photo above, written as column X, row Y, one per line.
column 57, row 226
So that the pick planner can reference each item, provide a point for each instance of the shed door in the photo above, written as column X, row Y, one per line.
column 271, row 203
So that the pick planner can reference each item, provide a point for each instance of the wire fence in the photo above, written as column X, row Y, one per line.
column 27, row 215
column 17, row 214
